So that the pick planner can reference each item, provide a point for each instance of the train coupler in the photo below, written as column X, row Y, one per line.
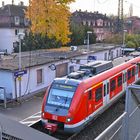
column 51, row 127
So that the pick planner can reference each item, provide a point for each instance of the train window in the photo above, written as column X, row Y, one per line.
column 123, row 78
column 139, row 67
column 133, row 72
column 104, row 90
column 90, row 95
column 98, row 94
column 112, row 85
column 107, row 88
column 119, row 80
column 129, row 74
column 125, row 75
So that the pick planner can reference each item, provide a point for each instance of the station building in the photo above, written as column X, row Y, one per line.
column 39, row 68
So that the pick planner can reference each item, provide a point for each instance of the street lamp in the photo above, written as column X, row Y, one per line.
column 88, row 32
column 123, row 45
column 20, row 37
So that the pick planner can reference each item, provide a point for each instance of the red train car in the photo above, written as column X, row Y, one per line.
column 70, row 103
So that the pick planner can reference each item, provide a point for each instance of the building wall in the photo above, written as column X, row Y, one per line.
column 29, row 81
column 6, row 81
column 7, row 37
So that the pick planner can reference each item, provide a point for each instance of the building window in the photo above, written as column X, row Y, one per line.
column 26, row 22
column 16, row 31
column 89, row 23
column 98, row 94
column 78, row 61
column 105, row 56
column 39, row 76
column 17, row 20
column 84, row 22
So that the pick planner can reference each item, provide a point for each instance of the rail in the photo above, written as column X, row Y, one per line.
column 116, row 126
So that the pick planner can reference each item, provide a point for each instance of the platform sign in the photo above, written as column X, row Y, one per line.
column 92, row 57
column 20, row 73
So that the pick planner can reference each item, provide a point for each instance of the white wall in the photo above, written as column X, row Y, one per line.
column 6, row 80
column 7, row 37
column 29, row 80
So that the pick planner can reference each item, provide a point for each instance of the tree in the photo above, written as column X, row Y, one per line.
column 79, row 34
column 37, row 41
column 115, row 39
column 133, row 39
column 51, row 18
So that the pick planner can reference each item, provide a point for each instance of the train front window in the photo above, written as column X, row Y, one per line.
column 61, row 95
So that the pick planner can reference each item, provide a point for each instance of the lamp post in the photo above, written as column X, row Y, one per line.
column 88, row 32
column 123, row 45
column 20, row 37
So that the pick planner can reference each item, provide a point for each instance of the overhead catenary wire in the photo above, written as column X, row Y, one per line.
column 102, row 1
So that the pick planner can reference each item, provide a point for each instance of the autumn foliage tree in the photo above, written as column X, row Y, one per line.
column 51, row 18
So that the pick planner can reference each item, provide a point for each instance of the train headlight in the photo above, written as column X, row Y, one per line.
column 69, row 119
column 43, row 114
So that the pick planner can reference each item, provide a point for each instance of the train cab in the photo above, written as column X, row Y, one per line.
column 57, row 103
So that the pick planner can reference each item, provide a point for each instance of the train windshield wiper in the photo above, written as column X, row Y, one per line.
column 62, row 105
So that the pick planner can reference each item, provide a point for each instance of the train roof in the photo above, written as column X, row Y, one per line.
column 67, row 81
column 97, row 63
column 90, row 69
column 109, row 73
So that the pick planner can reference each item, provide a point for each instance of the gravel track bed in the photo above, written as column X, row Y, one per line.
column 102, row 122
column 95, row 127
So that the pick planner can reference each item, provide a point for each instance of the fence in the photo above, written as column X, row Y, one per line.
column 127, row 126
column 3, row 96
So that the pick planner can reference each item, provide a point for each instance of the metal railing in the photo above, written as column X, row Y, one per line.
column 127, row 126
column 114, row 131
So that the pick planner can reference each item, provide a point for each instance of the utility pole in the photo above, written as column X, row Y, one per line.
column 120, row 22
column 20, row 37
column 88, row 32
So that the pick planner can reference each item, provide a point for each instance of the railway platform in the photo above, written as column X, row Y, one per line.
column 21, row 111
column 28, row 111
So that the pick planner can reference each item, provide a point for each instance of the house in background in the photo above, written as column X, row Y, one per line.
column 132, row 25
column 101, row 24
column 12, row 22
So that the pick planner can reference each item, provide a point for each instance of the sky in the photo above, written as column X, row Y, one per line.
column 108, row 7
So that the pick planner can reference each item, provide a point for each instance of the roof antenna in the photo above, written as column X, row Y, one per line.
column 12, row 2
column 2, row 3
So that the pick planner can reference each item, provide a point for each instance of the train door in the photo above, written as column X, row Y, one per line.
column 90, row 102
column 98, row 97
column 137, row 71
column 124, row 80
column 106, row 92
column 130, row 75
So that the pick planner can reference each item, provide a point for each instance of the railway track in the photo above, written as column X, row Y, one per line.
column 92, row 130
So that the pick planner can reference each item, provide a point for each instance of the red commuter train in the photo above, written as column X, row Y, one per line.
column 69, row 104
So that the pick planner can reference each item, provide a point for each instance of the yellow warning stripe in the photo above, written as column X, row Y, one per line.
column 93, row 87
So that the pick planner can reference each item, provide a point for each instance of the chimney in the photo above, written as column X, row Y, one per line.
column 12, row 2
column 21, row 3
column 2, row 3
